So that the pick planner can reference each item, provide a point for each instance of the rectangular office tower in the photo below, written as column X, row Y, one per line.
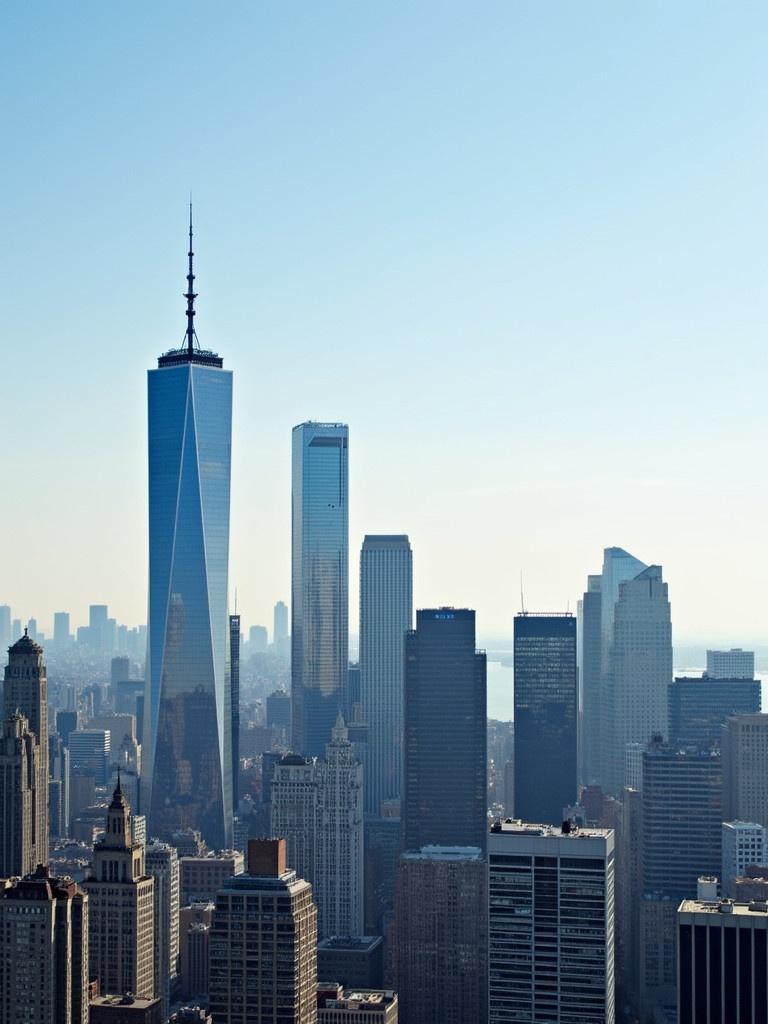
column 551, row 924
column 589, row 676
column 698, row 707
column 386, row 614
column 545, row 715
column 319, row 582
column 722, row 974
column 187, row 706
column 445, row 782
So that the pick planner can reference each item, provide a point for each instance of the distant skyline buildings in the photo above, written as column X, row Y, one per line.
column 319, row 581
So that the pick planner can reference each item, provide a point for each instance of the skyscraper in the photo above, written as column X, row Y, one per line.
column 61, row 633
column 618, row 566
column 319, row 582
column 386, row 614
column 263, row 946
column 545, row 716
column 19, row 798
column 26, row 692
column 5, row 627
column 589, row 676
column 187, row 733
column 44, row 951
column 699, row 706
column 551, row 924
column 636, row 695
column 234, row 690
column 280, row 623
column 121, row 898
column 445, row 732
column 162, row 864
column 745, row 768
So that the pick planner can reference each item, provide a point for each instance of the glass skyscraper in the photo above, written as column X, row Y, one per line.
column 187, row 733
column 319, row 582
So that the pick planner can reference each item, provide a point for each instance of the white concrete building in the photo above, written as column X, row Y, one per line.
column 744, row 843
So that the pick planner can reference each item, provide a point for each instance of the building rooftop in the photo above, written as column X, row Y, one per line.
column 724, row 907
column 350, row 942
column 567, row 830
column 445, row 853
column 134, row 1002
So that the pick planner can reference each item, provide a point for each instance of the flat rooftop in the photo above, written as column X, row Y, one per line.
column 514, row 826
column 724, row 908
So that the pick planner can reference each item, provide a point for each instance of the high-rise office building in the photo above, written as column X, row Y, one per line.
column 263, row 956
column 194, row 949
column 551, row 923
column 258, row 639
column 187, row 732
column 25, row 692
column 91, row 750
column 58, row 778
column 545, row 716
column 386, row 614
column 743, row 844
column 441, row 945
column 203, row 876
column 636, row 692
column 234, row 691
column 319, row 582
column 280, row 623
column 162, row 864
column 733, row 664
column 723, row 968
column 744, row 741
column 618, row 566
column 43, row 951
column 5, row 628
column 61, row 630
column 317, row 806
column 698, row 707
column 121, row 896
column 589, row 677
column 445, row 732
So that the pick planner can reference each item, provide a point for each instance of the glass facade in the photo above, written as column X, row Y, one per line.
column 187, row 708
column 545, row 716
column 319, row 582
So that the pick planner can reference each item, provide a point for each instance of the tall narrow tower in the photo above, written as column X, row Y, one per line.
column 319, row 582
column 187, row 730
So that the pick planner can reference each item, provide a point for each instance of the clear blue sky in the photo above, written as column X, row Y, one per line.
column 519, row 247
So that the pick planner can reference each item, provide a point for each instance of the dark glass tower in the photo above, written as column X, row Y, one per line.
column 319, row 582
column 187, row 733
column 545, row 716
column 445, row 770
column 698, row 707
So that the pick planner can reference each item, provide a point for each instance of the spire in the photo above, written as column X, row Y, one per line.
column 190, row 294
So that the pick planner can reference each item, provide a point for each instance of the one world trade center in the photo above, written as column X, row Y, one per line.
column 187, row 711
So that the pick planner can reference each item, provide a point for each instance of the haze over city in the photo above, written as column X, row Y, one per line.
column 519, row 249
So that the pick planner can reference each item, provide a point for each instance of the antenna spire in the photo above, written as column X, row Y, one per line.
column 190, row 295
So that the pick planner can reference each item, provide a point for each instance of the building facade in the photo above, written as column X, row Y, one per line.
column 319, row 582
column 545, row 716
column 744, row 743
column 202, row 877
column 234, row 695
column 589, row 677
column 551, row 924
column 698, row 707
column 445, row 732
column 743, row 845
column 187, row 728
column 386, row 614
column 162, row 864
column 733, row 664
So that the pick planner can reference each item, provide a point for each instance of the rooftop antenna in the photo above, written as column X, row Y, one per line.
column 235, row 600
column 190, row 295
column 522, row 598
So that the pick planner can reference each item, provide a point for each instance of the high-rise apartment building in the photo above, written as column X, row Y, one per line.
column 317, row 806
column 24, row 782
column 386, row 614
column 43, row 951
column 744, row 742
column 698, row 707
column 319, row 581
column 640, row 670
column 722, row 963
column 187, row 730
column 162, row 864
column 545, row 715
column 590, row 651
column 551, row 924
column 743, row 844
column 234, row 692
column 441, row 945
column 445, row 732
column 263, row 958
column 121, row 896
column 733, row 664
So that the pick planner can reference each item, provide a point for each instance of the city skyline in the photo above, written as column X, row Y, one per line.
column 572, row 239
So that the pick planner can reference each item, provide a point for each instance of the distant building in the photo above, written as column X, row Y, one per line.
column 744, row 744
column 90, row 750
column 545, row 715
column 386, row 614
column 58, row 787
column 234, row 690
column 441, row 944
column 733, row 664
column 698, row 707
column 339, row 1005
column 319, row 581
column 121, row 895
column 279, row 711
column 44, row 951
column 61, row 631
column 445, row 740
column 551, row 923
column 258, row 639
column 280, row 623
column 722, row 965
column 353, row 962
column 202, row 877
column 263, row 958
column 743, row 844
